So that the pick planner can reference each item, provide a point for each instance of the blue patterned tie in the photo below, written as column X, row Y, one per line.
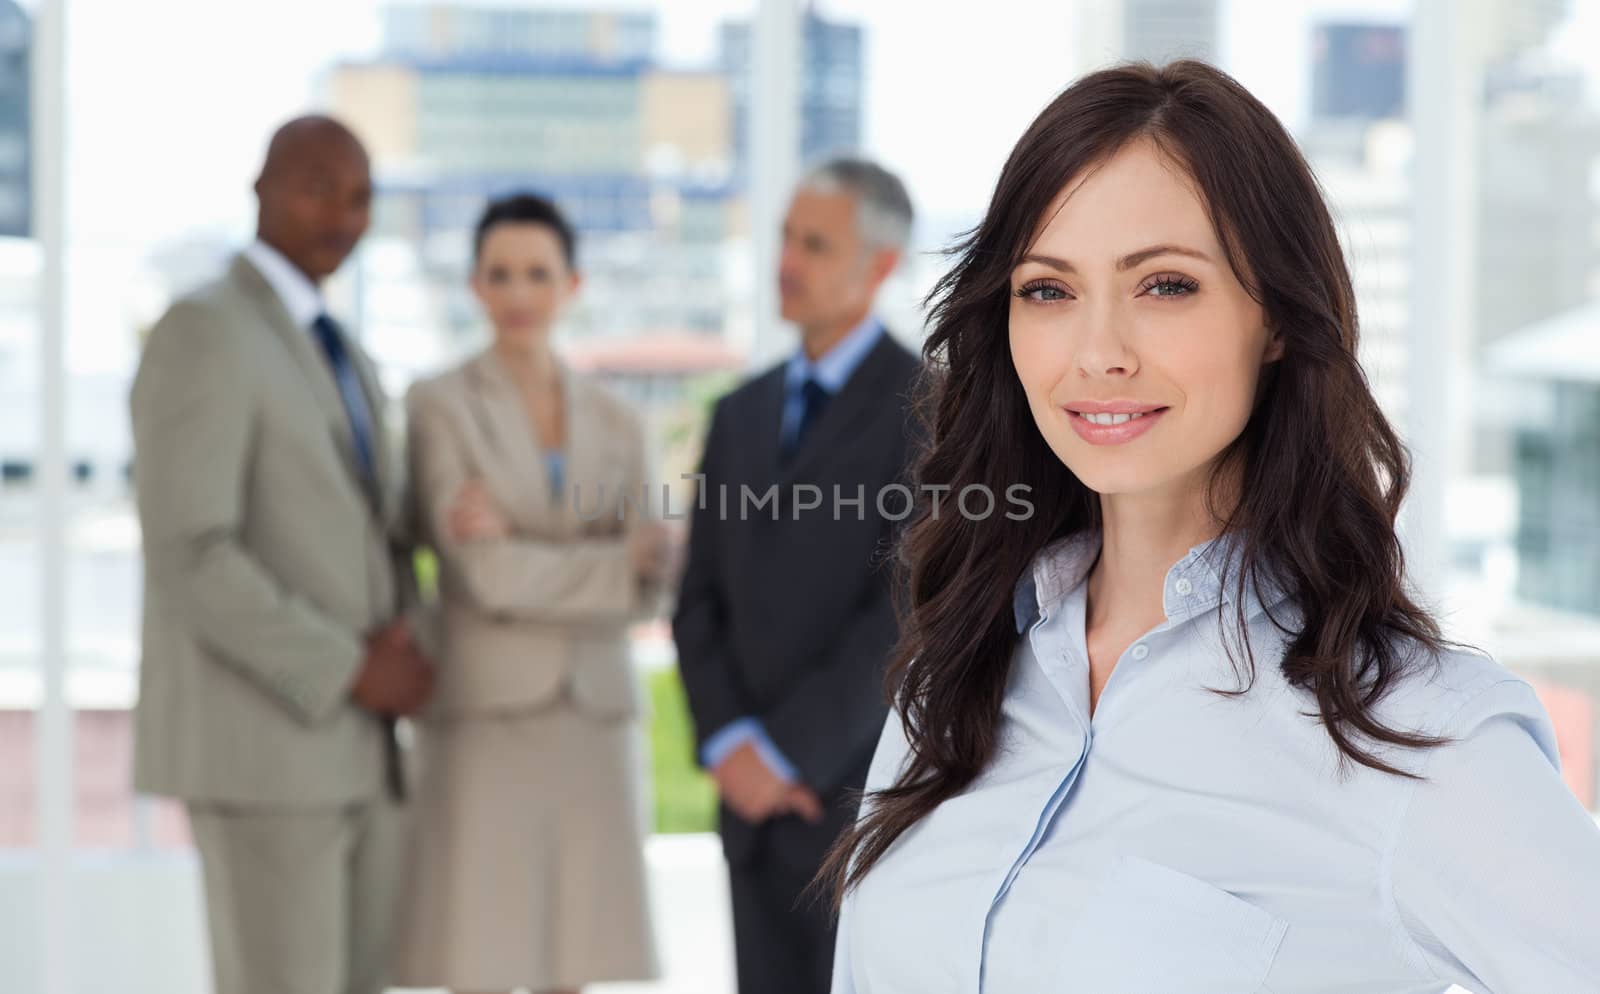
column 355, row 399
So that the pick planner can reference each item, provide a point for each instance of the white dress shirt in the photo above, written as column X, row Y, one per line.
column 1184, row 842
column 300, row 296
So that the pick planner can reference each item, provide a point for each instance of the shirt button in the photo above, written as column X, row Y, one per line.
column 1140, row 651
column 1183, row 587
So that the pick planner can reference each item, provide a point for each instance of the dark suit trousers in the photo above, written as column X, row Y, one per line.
column 783, row 929
column 783, row 933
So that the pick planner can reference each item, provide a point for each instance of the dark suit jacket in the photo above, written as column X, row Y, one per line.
column 791, row 621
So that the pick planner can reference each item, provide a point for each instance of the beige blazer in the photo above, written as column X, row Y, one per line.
column 544, row 611
column 265, row 560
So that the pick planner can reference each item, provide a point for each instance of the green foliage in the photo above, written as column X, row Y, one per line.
column 426, row 566
column 685, row 799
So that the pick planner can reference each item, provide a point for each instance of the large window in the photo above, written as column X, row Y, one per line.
column 637, row 117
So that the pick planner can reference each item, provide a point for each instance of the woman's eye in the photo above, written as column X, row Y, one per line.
column 1171, row 286
column 1042, row 292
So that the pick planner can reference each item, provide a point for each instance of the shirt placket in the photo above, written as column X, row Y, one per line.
column 1045, row 645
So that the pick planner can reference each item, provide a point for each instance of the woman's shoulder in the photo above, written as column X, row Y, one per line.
column 435, row 387
column 1433, row 690
column 890, row 757
column 1452, row 691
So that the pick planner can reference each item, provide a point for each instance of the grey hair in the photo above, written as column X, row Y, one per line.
column 883, row 208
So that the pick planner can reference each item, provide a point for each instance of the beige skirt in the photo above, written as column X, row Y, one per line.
column 528, row 856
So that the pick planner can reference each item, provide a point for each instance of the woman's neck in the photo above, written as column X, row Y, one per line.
column 1142, row 536
column 530, row 366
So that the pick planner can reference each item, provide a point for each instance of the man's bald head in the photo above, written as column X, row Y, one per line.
column 315, row 193
column 308, row 137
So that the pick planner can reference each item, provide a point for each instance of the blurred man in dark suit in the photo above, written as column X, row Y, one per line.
column 784, row 620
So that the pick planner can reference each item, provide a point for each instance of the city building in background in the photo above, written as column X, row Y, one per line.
column 1538, row 280
column 1536, row 259
column 16, row 188
column 19, row 359
column 1158, row 31
column 831, row 86
column 19, row 257
column 1163, row 30
column 1513, row 27
column 1363, row 167
column 1538, row 419
column 1538, row 147
column 1358, row 71
column 1359, row 143
column 567, row 104
column 1555, row 366
column 465, row 103
column 446, row 30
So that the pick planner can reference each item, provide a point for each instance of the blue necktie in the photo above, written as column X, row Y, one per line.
column 355, row 408
column 813, row 398
column 355, row 399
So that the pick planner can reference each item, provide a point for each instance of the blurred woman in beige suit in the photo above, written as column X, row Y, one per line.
column 529, row 869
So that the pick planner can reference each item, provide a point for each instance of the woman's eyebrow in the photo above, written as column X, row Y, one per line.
column 1126, row 262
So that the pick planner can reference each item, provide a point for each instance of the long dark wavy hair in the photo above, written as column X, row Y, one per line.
column 1317, row 476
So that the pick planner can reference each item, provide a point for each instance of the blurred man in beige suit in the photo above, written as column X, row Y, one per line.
column 276, row 656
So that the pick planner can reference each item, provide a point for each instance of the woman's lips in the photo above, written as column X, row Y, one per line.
column 1129, row 427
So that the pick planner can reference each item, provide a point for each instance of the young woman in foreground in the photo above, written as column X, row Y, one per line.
column 1184, row 729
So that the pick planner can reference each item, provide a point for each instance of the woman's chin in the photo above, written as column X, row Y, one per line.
column 1116, row 474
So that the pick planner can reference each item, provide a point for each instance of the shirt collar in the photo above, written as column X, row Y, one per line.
column 832, row 371
column 300, row 296
column 1204, row 578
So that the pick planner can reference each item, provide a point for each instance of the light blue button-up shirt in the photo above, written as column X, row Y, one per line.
column 1184, row 842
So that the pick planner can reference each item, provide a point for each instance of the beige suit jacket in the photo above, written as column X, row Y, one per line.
column 266, row 560
column 544, row 611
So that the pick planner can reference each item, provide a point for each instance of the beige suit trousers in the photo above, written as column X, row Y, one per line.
column 300, row 901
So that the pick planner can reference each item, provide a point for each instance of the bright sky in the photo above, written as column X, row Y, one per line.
column 170, row 102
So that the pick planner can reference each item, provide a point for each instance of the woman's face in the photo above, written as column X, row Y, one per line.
column 1137, row 346
column 522, row 281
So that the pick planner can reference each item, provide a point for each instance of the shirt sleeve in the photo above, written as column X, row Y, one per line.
column 582, row 580
column 735, row 734
column 1496, row 866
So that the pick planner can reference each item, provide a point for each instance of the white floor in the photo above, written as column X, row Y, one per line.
column 689, row 892
column 139, row 927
